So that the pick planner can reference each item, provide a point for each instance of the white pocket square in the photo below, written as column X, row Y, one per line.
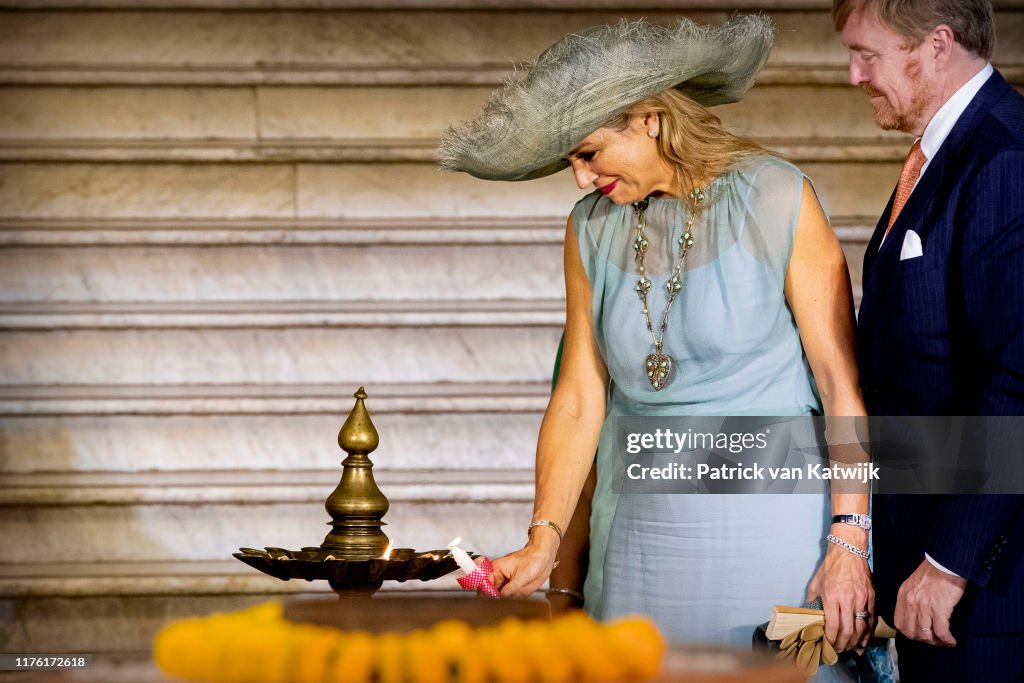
column 911, row 246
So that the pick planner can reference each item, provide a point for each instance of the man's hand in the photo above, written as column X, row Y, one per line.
column 925, row 603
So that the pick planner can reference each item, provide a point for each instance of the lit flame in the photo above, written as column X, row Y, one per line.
column 387, row 551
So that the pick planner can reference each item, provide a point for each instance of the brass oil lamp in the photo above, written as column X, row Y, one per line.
column 355, row 557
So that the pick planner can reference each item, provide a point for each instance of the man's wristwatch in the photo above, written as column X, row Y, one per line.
column 863, row 521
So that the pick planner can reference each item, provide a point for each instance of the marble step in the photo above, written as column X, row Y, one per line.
column 229, row 285
column 158, row 533
column 204, row 516
column 274, row 355
column 346, row 124
column 223, row 485
column 799, row 150
column 364, row 281
column 441, row 43
column 182, row 578
column 350, row 192
column 279, row 314
column 214, row 442
column 227, row 273
column 290, row 122
column 251, row 399
column 411, row 231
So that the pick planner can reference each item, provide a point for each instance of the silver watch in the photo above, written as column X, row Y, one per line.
column 863, row 521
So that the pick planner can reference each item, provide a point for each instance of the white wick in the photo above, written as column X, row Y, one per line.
column 465, row 562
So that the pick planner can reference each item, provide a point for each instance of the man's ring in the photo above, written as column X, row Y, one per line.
column 925, row 629
column 861, row 616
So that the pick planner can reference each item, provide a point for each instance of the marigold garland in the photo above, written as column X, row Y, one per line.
column 258, row 645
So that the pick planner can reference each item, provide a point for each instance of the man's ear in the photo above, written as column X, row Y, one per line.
column 941, row 43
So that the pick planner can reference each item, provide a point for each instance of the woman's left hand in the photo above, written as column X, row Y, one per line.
column 843, row 581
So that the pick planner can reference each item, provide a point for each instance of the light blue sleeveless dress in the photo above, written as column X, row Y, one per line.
column 706, row 568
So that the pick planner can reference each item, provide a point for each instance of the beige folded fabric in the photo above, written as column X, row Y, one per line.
column 807, row 647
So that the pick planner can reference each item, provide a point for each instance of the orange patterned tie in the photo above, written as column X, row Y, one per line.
column 908, row 177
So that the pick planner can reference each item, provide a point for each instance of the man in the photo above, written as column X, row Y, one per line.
column 941, row 325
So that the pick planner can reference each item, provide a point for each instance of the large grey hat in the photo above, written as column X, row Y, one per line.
column 585, row 80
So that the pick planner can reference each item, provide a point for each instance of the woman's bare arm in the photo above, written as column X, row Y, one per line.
column 568, row 435
column 818, row 291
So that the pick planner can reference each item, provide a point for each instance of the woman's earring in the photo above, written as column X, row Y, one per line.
column 652, row 133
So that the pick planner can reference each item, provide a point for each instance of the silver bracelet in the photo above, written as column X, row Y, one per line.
column 564, row 591
column 849, row 547
column 545, row 522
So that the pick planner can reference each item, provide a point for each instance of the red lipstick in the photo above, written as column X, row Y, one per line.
column 607, row 189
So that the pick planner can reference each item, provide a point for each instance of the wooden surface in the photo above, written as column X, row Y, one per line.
column 407, row 613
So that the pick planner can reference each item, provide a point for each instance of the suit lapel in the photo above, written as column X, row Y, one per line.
column 870, row 282
column 911, row 215
column 881, row 257
column 871, row 254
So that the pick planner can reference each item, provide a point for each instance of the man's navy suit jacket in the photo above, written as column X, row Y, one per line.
column 943, row 334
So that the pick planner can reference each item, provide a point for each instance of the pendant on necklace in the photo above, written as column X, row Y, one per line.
column 659, row 368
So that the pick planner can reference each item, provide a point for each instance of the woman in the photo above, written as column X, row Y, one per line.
column 743, row 293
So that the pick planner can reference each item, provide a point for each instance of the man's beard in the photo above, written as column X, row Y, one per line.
column 887, row 118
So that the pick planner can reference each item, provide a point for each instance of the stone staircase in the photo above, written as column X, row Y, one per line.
column 217, row 223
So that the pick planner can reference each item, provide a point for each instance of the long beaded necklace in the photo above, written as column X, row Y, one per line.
column 659, row 365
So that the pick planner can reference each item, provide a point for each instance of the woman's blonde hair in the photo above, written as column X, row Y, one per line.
column 692, row 139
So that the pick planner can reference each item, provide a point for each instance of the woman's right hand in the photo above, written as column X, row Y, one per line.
column 519, row 574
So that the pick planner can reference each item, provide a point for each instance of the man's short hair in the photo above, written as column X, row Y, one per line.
column 971, row 20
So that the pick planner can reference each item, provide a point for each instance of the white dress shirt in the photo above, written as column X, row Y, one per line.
column 937, row 130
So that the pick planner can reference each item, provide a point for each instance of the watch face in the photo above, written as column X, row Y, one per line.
column 863, row 521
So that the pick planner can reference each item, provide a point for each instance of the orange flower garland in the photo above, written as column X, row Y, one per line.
column 258, row 645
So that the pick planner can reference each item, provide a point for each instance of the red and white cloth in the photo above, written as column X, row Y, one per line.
column 480, row 579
